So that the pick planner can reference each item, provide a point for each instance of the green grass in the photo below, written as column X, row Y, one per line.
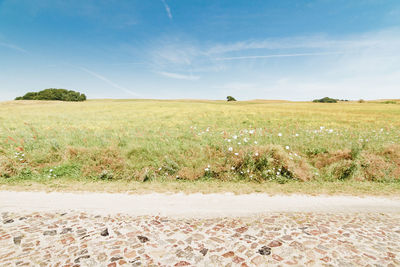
column 151, row 141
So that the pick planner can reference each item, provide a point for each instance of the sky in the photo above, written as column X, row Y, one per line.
column 202, row 49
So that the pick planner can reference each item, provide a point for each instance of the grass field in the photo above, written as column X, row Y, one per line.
column 278, row 143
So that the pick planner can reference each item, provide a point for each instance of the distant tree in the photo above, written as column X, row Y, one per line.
column 230, row 98
column 53, row 94
column 361, row 101
column 325, row 100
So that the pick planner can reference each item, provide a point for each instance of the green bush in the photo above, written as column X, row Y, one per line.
column 230, row 98
column 54, row 94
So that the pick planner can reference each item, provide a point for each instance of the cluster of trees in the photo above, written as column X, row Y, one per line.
column 326, row 100
column 54, row 94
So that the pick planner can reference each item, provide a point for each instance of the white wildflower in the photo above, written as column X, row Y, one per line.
column 230, row 148
column 279, row 134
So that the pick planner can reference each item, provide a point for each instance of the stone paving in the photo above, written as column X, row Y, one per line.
column 276, row 239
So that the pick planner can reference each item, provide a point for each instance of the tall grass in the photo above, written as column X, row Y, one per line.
column 146, row 140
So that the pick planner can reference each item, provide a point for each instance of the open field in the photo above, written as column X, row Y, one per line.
column 282, row 145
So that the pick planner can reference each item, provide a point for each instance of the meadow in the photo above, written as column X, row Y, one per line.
column 202, row 145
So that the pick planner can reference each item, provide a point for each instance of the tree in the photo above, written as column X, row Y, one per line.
column 53, row 94
column 230, row 98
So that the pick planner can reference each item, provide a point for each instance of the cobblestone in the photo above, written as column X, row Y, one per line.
column 299, row 239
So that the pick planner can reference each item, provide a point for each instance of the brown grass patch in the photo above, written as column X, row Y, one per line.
column 326, row 159
column 8, row 167
column 374, row 167
column 191, row 174
column 263, row 162
column 96, row 160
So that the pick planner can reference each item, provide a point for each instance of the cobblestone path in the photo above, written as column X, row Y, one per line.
column 299, row 239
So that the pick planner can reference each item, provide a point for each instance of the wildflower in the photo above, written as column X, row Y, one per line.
column 236, row 154
column 206, row 169
column 256, row 154
column 251, row 131
column 208, row 129
column 51, row 170
column 245, row 140
column 296, row 135
column 255, row 142
column 229, row 140
column 287, row 147
column 279, row 134
column 234, row 137
column 330, row 131
column 239, row 143
column 232, row 168
column 230, row 148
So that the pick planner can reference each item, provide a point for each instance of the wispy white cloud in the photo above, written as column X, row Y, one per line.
column 113, row 84
column 167, row 9
column 320, row 42
column 280, row 55
column 14, row 47
column 179, row 76
column 354, row 66
column 237, row 86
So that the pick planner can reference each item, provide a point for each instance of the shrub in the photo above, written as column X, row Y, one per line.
column 230, row 98
column 389, row 102
column 361, row 101
column 53, row 94
column 325, row 100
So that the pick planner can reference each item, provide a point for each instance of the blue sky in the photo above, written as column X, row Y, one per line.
column 167, row 49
